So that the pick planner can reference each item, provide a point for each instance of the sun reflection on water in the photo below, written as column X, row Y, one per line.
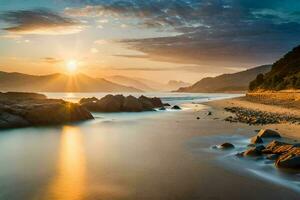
column 69, row 183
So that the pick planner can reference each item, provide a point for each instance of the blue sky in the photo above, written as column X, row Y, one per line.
column 195, row 38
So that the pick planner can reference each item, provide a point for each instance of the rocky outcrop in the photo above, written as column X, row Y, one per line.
column 119, row 103
column 23, row 109
column 268, row 133
column 175, row 107
column 284, row 155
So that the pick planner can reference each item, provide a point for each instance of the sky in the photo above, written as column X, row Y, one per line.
column 155, row 39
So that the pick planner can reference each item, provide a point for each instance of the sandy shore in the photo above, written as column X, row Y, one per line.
column 287, row 129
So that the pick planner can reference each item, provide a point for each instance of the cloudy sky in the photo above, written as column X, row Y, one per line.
column 156, row 39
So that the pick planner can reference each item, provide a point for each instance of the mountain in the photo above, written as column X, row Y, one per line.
column 146, row 84
column 130, row 82
column 227, row 82
column 58, row 83
column 174, row 85
column 285, row 74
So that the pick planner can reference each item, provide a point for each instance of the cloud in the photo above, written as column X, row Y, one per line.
column 51, row 60
column 216, row 32
column 39, row 21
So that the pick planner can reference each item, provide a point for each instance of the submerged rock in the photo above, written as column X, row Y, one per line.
column 254, row 151
column 175, row 107
column 290, row 160
column 226, row 145
column 268, row 133
column 256, row 140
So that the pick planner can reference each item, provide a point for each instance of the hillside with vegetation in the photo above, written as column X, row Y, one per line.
column 285, row 74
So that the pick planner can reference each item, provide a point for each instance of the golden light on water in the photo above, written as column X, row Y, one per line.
column 70, row 180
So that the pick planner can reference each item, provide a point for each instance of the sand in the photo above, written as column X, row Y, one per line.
column 286, row 129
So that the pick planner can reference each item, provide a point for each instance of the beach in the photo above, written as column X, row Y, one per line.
column 149, row 155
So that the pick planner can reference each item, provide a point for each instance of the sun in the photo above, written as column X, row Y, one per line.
column 72, row 66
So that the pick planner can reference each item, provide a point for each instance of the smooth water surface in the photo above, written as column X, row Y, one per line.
column 119, row 156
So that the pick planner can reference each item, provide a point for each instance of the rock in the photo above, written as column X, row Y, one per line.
column 254, row 151
column 175, row 107
column 56, row 113
column 209, row 113
column 268, row 133
column 156, row 102
column 9, row 120
column 87, row 100
column 162, row 108
column 146, row 103
column 272, row 157
column 166, row 104
column 132, row 104
column 256, row 140
column 109, row 103
column 198, row 118
column 34, row 110
column 226, row 145
column 276, row 147
column 289, row 160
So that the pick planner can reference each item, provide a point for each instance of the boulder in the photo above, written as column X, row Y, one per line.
column 162, row 108
column 254, row 151
column 166, row 104
column 289, row 160
column 277, row 147
column 56, row 113
column 268, row 133
column 146, row 103
column 175, row 107
column 9, row 120
column 226, row 145
column 256, row 140
column 156, row 102
column 132, row 104
column 272, row 157
column 87, row 100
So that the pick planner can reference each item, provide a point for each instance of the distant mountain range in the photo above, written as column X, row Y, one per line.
column 285, row 74
column 59, row 83
column 147, row 85
column 227, row 82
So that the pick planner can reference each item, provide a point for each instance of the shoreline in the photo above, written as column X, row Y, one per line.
column 285, row 128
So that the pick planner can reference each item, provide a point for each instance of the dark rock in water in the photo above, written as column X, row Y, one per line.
column 226, row 145
column 268, row 133
column 119, row 103
column 56, row 113
column 156, row 102
column 254, row 151
column 175, row 107
column 87, row 100
column 277, row 147
column 256, row 140
column 146, row 103
column 289, row 160
column 35, row 110
column 272, row 157
column 166, row 104
column 162, row 108
column 132, row 104
column 8, row 120
column 209, row 113
column 198, row 118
